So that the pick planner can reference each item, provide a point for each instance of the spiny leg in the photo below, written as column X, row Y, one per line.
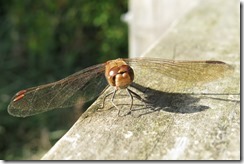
column 112, row 100
column 146, row 103
column 131, row 93
column 105, row 98
column 131, row 97
column 128, row 91
column 138, row 97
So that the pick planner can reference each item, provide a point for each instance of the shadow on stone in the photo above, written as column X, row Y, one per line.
column 171, row 102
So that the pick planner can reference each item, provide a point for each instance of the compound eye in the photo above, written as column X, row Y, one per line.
column 112, row 75
column 128, row 70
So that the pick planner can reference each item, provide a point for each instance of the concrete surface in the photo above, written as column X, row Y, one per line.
column 173, row 126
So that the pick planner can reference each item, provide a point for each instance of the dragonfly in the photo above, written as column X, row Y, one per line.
column 89, row 83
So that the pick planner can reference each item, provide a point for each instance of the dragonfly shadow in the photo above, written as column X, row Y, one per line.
column 170, row 102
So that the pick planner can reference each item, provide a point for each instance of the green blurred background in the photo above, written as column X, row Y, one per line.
column 44, row 41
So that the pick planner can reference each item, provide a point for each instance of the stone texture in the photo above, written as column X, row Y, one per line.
column 175, row 126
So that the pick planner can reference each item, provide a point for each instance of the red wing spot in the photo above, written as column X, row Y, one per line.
column 19, row 95
column 20, row 92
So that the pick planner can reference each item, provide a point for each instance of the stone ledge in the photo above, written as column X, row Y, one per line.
column 195, row 127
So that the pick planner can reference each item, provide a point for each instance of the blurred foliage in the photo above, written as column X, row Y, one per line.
column 44, row 41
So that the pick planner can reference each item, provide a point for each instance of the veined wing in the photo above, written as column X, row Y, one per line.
column 79, row 87
column 177, row 76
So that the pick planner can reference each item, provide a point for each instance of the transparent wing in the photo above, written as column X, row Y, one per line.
column 80, row 87
column 164, row 75
column 176, row 76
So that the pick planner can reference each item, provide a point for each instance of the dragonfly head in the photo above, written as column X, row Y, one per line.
column 119, row 74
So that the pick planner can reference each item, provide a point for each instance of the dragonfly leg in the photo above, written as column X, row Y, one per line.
column 112, row 100
column 145, row 102
column 105, row 98
column 131, row 97
column 130, row 93
column 137, row 96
